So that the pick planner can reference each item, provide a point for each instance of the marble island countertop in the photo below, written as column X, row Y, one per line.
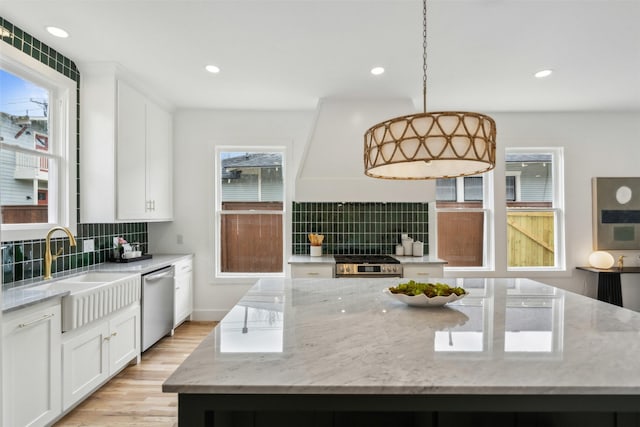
column 346, row 337
column 21, row 294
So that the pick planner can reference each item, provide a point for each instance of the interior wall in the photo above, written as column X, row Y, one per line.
column 332, row 168
column 595, row 144
column 196, row 135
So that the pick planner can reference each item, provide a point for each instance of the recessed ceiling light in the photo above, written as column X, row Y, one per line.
column 543, row 73
column 212, row 69
column 58, row 32
column 376, row 71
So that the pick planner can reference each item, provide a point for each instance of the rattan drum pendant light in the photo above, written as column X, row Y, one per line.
column 430, row 145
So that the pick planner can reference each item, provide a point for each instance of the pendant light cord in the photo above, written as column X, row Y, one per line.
column 424, row 56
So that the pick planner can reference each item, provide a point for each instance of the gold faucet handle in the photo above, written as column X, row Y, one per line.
column 53, row 257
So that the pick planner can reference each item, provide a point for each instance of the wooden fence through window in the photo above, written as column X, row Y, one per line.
column 530, row 235
column 251, row 243
column 530, row 239
column 25, row 214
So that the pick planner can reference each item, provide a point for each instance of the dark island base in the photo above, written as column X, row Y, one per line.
column 199, row 410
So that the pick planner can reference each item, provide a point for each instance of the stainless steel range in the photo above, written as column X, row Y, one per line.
column 367, row 266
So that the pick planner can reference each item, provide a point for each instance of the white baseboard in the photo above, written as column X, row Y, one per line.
column 209, row 315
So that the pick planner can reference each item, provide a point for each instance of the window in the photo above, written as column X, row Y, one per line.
column 462, row 206
column 37, row 147
column 535, row 218
column 250, row 211
column 511, row 188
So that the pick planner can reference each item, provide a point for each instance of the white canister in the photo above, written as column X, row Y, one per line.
column 418, row 248
column 316, row 250
column 399, row 250
column 407, row 245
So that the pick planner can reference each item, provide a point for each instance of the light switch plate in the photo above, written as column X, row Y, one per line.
column 88, row 245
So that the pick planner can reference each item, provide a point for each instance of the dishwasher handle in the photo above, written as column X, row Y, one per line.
column 158, row 275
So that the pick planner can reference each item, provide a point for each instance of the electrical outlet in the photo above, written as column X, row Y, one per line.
column 180, row 239
column 88, row 245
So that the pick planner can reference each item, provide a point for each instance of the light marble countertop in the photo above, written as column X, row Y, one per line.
column 345, row 336
column 329, row 259
column 21, row 294
column 427, row 259
column 308, row 259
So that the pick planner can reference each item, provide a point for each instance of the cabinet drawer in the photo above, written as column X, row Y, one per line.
column 183, row 266
column 421, row 271
column 312, row 271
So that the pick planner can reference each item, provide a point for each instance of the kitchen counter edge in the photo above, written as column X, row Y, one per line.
column 20, row 294
column 329, row 259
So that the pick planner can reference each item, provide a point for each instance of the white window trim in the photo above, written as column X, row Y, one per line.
column 557, row 154
column 62, row 133
column 218, row 209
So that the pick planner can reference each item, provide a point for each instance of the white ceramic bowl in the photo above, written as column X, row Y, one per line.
column 424, row 301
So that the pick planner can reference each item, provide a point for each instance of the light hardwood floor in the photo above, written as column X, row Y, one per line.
column 134, row 397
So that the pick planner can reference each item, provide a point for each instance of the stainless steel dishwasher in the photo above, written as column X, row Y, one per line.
column 157, row 305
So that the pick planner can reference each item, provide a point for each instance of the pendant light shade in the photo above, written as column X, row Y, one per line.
column 433, row 145
column 430, row 145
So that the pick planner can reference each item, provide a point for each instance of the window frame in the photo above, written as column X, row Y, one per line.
column 62, row 139
column 218, row 212
column 557, row 207
column 516, row 185
column 488, row 256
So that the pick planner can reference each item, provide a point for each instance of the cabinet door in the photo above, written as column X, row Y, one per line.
column 159, row 161
column 124, row 338
column 31, row 366
column 418, row 271
column 130, row 154
column 312, row 271
column 85, row 362
column 183, row 300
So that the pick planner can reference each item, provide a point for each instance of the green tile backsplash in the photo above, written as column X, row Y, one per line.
column 358, row 228
column 24, row 259
column 24, row 42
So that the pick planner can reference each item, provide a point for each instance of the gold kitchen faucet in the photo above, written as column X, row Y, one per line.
column 48, row 257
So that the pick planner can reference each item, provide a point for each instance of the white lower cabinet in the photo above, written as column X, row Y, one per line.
column 31, row 365
column 183, row 299
column 299, row 271
column 84, row 362
column 93, row 354
column 418, row 271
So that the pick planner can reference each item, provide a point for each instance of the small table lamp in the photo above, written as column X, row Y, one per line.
column 602, row 260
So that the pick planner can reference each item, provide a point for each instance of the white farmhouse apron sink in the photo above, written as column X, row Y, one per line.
column 93, row 296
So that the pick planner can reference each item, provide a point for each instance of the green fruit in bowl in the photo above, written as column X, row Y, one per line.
column 431, row 290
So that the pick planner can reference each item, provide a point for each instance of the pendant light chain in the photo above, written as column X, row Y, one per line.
column 424, row 56
column 442, row 144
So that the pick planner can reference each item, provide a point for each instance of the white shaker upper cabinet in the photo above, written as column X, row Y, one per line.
column 144, row 158
column 126, row 170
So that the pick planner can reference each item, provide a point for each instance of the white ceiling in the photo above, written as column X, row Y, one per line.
column 278, row 54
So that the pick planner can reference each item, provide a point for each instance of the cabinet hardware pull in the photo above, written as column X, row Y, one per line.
column 312, row 273
column 33, row 322
column 106, row 339
column 114, row 334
